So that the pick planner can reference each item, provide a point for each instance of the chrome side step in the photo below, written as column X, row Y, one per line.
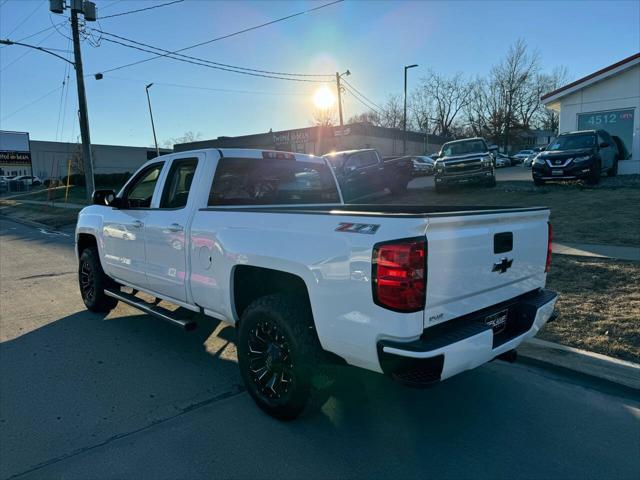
column 156, row 311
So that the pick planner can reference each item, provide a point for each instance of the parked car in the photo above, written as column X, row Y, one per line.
column 423, row 165
column 362, row 173
column 502, row 160
column 464, row 161
column 521, row 156
column 581, row 155
column 28, row 180
column 419, row 293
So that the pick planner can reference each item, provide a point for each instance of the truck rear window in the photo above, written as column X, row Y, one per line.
column 248, row 181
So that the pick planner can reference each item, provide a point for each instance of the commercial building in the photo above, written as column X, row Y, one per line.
column 53, row 159
column 322, row 140
column 608, row 99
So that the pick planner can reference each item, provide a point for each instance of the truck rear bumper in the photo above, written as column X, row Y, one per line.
column 467, row 342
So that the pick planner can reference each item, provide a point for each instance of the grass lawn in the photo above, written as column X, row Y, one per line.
column 50, row 216
column 76, row 195
column 599, row 306
column 606, row 214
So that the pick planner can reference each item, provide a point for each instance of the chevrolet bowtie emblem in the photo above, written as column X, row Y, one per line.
column 502, row 266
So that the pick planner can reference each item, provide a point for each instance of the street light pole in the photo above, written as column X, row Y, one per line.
column 404, row 118
column 153, row 127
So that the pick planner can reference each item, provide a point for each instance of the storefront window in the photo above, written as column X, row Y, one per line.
column 618, row 123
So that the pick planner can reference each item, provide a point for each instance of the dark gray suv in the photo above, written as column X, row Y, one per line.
column 582, row 155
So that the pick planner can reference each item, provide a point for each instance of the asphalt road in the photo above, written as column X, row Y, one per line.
column 515, row 173
column 127, row 396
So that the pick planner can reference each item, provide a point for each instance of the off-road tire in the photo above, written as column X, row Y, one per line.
column 92, row 281
column 299, row 354
column 613, row 171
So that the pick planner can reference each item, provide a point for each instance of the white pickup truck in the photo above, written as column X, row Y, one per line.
column 262, row 240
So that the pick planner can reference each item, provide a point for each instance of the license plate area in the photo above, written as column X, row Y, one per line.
column 497, row 321
column 557, row 173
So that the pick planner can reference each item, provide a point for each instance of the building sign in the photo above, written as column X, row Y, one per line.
column 341, row 133
column 14, row 148
column 291, row 137
column 615, row 122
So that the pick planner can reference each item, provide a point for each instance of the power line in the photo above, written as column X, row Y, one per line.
column 140, row 9
column 196, row 87
column 31, row 103
column 203, row 64
column 362, row 101
column 211, row 61
column 223, row 36
column 363, row 96
column 56, row 27
column 36, row 47
column 62, row 109
column 26, row 18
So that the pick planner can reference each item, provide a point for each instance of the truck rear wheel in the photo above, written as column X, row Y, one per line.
column 92, row 281
column 278, row 354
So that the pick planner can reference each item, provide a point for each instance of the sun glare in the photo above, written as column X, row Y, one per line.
column 323, row 98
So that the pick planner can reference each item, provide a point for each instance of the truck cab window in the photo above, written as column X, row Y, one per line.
column 246, row 181
column 178, row 183
column 140, row 192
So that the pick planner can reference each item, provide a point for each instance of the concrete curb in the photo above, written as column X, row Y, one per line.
column 608, row 369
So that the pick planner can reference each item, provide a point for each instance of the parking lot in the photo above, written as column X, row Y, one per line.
column 90, row 397
column 516, row 173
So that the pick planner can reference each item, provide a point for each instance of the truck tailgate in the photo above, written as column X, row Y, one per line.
column 478, row 260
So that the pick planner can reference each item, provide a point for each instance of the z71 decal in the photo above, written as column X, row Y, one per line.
column 367, row 228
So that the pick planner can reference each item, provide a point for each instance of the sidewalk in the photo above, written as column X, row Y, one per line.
column 598, row 251
column 613, row 370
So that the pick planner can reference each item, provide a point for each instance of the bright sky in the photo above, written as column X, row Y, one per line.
column 374, row 40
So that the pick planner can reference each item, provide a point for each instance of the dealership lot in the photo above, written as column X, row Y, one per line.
column 89, row 397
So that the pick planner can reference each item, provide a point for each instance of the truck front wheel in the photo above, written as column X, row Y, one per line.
column 278, row 353
column 93, row 281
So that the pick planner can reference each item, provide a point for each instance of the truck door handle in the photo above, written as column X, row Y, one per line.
column 174, row 227
column 138, row 224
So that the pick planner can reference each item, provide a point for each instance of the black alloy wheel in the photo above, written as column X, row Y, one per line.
column 270, row 360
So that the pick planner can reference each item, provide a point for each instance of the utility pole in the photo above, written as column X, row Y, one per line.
column 404, row 118
column 153, row 127
column 339, row 88
column 339, row 97
column 88, row 9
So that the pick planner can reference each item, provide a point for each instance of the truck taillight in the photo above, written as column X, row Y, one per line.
column 547, row 267
column 399, row 274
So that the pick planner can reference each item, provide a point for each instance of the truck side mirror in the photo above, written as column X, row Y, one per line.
column 105, row 197
column 604, row 145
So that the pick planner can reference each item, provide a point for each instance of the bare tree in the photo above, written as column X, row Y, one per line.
column 371, row 117
column 440, row 100
column 392, row 112
column 188, row 137
column 324, row 117
column 545, row 118
column 513, row 76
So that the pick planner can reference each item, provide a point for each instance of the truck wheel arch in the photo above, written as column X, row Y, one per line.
column 84, row 241
column 250, row 283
